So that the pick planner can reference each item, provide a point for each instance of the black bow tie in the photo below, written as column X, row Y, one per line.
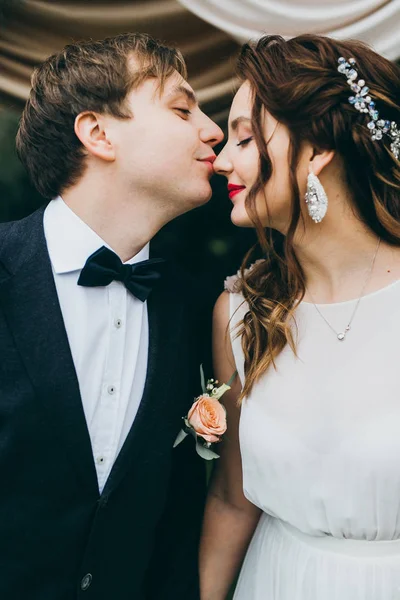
column 104, row 266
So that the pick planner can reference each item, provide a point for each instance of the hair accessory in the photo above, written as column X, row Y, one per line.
column 364, row 103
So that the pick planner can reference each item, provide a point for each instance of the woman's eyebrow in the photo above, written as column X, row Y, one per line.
column 236, row 122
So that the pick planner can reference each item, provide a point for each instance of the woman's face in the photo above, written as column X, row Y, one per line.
column 239, row 162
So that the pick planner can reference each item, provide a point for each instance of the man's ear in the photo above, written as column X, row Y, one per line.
column 320, row 160
column 91, row 131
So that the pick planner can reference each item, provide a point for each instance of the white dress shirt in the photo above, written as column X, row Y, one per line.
column 107, row 329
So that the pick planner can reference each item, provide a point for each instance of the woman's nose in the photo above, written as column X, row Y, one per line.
column 222, row 164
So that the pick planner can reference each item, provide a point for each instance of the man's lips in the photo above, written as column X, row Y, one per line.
column 234, row 189
column 208, row 160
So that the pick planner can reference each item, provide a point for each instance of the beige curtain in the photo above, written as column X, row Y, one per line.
column 34, row 29
column 376, row 22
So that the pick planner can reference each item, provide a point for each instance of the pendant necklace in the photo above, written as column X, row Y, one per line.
column 341, row 335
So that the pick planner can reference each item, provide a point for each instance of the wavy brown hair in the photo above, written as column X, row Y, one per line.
column 297, row 82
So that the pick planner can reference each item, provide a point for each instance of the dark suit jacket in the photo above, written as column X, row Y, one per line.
column 60, row 539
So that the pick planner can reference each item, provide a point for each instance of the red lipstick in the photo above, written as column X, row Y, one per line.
column 234, row 189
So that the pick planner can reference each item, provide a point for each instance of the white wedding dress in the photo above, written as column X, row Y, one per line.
column 320, row 445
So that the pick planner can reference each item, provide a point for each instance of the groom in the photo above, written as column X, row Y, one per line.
column 99, row 340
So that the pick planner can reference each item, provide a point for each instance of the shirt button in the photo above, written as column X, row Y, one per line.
column 100, row 460
column 111, row 389
column 86, row 581
column 118, row 323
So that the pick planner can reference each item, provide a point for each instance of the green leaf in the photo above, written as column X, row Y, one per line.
column 202, row 380
column 180, row 437
column 205, row 453
column 232, row 378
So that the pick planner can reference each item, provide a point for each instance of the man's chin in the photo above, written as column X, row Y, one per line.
column 203, row 197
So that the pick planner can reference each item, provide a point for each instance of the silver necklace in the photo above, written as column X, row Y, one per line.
column 341, row 335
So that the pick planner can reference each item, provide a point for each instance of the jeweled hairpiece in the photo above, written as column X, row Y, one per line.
column 364, row 103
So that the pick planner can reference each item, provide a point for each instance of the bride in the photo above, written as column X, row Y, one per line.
column 306, row 495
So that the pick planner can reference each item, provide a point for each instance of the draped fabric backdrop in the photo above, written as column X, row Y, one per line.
column 207, row 31
column 376, row 22
column 34, row 29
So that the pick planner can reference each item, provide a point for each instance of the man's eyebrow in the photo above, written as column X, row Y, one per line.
column 236, row 122
column 182, row 90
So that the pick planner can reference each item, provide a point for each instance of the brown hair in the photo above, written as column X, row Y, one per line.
column 297, row 82
column 85, row 76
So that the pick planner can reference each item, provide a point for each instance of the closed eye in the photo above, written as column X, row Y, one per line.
column 245, row 142
column 184, row 111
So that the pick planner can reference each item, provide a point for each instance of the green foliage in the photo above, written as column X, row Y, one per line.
column 6, row 7
column 17, row 198
column 7, row 4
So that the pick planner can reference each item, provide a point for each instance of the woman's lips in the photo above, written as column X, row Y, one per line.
column 234, row 189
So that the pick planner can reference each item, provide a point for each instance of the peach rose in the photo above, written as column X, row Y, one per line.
column 208, row 418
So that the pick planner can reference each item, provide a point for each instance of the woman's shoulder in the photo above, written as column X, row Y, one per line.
column 233, row 283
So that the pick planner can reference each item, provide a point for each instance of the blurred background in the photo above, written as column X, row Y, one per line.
column 209, row 33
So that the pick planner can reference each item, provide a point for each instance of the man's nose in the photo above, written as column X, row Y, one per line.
column 211, row 133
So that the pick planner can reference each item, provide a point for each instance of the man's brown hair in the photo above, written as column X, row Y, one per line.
column 85, row 76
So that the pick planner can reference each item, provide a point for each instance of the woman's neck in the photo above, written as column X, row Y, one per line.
column 338, row 262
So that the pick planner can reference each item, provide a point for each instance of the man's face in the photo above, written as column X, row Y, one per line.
column 164, row 153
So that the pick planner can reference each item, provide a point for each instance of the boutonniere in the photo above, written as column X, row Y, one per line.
column 206, row 420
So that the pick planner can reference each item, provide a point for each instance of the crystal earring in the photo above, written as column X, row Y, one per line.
column 316, row 198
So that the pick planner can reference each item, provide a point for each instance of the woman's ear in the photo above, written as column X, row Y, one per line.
column 320, row 160
column 90, row 128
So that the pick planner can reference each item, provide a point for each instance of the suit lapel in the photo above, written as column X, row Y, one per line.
column 28, row 297
column 30, row 303
column 165, row 321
